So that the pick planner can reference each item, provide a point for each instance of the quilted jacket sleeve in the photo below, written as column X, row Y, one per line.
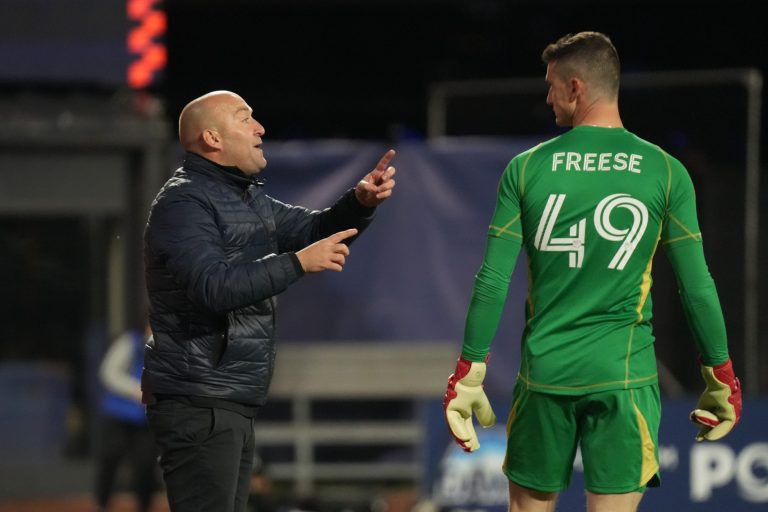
column 298, row 227
column 184, row 251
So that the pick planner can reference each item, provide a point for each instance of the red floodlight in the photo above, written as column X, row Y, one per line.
column 148, row 25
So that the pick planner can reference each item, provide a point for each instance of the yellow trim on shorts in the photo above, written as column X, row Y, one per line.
column 650, row 466
column 510, row 420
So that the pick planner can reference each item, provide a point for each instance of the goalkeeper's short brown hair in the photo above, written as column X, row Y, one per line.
column 589, row 56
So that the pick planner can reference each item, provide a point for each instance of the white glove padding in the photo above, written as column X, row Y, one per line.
column 464, row 396
column 719, row 407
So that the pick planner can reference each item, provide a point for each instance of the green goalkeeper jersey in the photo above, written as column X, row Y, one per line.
column 589, row 208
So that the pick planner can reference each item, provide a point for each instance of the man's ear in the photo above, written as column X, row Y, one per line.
column 577, row 88
column 212, row 138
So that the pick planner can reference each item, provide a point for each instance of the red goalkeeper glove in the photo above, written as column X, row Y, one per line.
column 465, row 395
column 719, row 407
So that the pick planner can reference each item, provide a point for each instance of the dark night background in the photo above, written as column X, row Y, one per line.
column 311, row 69
column 362, row 69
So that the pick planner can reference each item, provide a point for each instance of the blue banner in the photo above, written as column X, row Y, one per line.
column 410, row 275
column 731, row 474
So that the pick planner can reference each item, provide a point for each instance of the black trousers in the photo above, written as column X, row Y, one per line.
column 206, row 455
column 130, row 442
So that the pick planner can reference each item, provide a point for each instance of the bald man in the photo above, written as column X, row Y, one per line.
column 217, row 251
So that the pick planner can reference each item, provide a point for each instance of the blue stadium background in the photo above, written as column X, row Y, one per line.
column 336, row 83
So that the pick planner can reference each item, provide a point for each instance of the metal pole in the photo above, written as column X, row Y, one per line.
column 753, row 80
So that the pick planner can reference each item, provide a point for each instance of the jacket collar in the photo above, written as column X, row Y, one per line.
column 230, row 174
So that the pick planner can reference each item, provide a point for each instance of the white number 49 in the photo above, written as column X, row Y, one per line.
column 574, row 244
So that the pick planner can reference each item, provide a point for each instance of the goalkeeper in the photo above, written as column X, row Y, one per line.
column 589, row 208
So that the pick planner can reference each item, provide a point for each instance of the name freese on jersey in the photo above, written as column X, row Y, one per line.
column 591, row 162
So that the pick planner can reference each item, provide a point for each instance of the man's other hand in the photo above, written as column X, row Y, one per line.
column 326, row 254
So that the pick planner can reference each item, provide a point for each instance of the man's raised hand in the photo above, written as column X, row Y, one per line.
column 377, row 185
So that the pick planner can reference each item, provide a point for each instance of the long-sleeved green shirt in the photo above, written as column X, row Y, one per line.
column 589, row 208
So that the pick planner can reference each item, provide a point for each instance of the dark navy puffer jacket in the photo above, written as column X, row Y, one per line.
column 217, row 250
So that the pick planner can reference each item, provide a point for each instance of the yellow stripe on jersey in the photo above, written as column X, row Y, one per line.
column 629, row 354
column 638, row 382
column 522, row 171
column 645, row 283
column 504, row 229
column 689, row 234
column 669, row 176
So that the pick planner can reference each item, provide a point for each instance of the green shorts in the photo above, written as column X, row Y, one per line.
column 616, row 430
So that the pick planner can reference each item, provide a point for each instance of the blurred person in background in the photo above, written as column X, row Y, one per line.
column 589, row 207
column 124, row 431
column 218, row 250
